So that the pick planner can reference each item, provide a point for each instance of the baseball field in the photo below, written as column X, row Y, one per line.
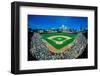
column 58, row 40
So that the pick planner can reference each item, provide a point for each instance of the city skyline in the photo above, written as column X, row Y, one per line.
column 55, row 22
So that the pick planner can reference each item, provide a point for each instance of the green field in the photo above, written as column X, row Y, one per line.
column 59, row 40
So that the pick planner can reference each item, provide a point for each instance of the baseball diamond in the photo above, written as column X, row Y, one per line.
column 58, row 40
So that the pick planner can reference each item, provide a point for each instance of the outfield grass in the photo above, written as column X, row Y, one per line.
column 57, row 46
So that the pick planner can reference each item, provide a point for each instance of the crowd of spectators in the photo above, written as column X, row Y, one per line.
column 40, row 51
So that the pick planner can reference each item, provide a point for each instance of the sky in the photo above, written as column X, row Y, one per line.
column 50, row 21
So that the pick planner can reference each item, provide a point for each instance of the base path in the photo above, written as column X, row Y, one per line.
column 59, row 36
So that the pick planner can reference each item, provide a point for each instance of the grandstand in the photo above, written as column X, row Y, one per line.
column 40, row 50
